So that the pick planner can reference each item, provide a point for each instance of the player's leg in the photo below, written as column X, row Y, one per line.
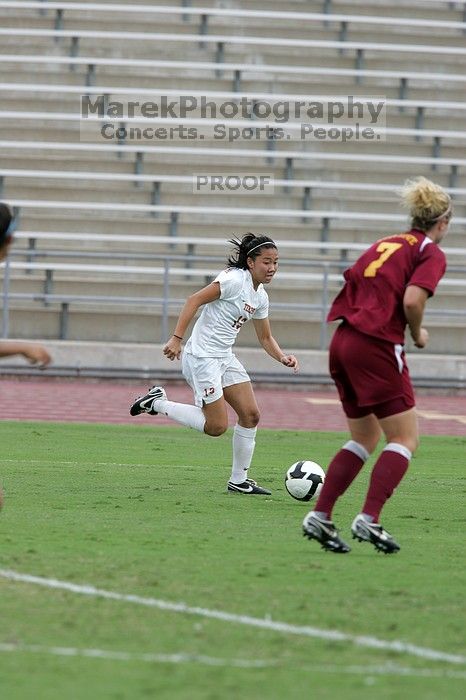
column 216, row 417
column 155, row 402
column 342, row 470
column 348, row 462
column 398, row 420
column 402, row 437
column 345, row 352
column 241, row 398
column 208, row 415
column 402, row 429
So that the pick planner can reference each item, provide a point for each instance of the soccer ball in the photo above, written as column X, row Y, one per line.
column 304, row 480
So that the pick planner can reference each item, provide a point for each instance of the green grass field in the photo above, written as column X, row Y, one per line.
column 144, row 511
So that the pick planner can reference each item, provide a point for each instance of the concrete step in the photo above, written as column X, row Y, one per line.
column 146, row 361
column 282, row 291
column 153, row 160
column 434, row 119
column 218, row 78
column 303, row 168
column 371, row 173
column 217, row 24
column 208, row 81
column 173, row 23
column 85, row 323
column 118, row 194
column 407, row 10
column 340, row 231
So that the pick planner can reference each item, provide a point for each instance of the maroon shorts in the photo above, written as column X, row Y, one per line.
column 370, row 374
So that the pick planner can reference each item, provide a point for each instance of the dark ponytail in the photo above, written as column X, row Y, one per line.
column 250, row 246
column 5, row 220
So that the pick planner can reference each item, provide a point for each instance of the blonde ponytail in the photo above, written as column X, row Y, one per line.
column 426, row 202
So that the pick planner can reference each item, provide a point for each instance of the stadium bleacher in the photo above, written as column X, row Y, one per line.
column 112, row 236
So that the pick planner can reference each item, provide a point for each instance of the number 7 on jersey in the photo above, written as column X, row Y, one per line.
column 386, row 249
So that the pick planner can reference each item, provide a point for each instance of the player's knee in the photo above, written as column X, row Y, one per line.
column 249, row 418
column 367, row 441
column 371, row 443
column 412, row 443
column 215, row 429
column 407, row 438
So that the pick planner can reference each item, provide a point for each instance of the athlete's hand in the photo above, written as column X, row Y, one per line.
column 422, row 339
column 172, row 349
column 37, row 355
column 290, row 361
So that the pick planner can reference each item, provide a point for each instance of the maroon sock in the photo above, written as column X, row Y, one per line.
column 342, row 470
column 387, row 473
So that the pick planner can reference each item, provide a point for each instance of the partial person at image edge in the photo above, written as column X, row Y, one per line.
column 35, row 353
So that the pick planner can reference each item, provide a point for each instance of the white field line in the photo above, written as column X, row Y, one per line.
column 51, row 463
column 388, row 669
column 267, row 624
column 180, row 658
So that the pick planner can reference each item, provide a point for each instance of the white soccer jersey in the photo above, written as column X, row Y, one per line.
column 218, row 325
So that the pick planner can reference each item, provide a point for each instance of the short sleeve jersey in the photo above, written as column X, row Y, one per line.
column 215, row 331
column 372, row 297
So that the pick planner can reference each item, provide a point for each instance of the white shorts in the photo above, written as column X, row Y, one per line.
column 208, row 375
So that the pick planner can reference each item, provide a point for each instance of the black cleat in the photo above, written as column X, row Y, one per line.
column 325, row 532
column 249, row 486
column 143, row 404
column 375, row 534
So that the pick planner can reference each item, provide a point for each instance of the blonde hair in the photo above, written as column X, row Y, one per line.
column 426, row 201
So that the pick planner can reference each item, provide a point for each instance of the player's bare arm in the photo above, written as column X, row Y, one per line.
column 35, row 353
column 414, row 302
column 207, row 294
column 270, row 345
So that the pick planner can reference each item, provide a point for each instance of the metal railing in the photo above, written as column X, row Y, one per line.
column 165, row 271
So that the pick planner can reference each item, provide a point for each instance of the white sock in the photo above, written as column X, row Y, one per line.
column 367, row 518
column 321, row 514
column 357, row 449
column 400, row 449
column 243, row 448
column 184, row 413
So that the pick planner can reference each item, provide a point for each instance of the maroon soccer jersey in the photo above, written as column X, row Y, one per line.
column 372, row 297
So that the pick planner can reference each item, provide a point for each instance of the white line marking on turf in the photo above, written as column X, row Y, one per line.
column 61, row 462
column 388, row 669
column 272, row 625
column 181, row 658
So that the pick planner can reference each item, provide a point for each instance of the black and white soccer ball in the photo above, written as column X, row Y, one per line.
column 304, row 480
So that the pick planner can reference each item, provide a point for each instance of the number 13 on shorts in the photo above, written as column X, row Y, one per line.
column 386, row 249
